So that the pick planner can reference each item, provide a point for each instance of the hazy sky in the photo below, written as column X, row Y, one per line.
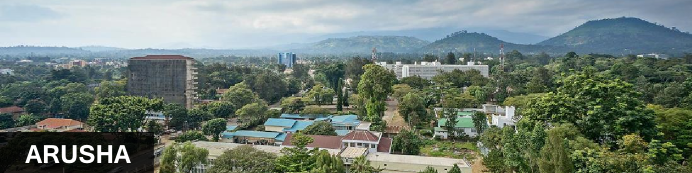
column 253, row 23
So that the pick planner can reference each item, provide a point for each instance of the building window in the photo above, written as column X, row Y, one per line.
column 373, row 146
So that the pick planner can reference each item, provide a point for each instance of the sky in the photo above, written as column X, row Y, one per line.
column 239, row 24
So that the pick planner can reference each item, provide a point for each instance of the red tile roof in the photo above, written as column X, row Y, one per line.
column 11, row 109
column 361, row 135
column 319, row 141
column 52, row 123
column 384, row 145
column 170, row 57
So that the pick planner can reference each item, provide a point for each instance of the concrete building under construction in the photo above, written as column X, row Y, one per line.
column 171, row 77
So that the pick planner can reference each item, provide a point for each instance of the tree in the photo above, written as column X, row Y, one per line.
column 121, row 114
column 451, row 123
column 168, row 159
column 455, row 169
column 35, row 106
column 27, row 119
column 374, row 87
column 195, row 118
column 154, row 127
column 221, row 109
column 494, row 161
column 555, row 155
column 321, row 95
column 315, row 110
column 412, row 108
column 182, row 158
column 480, row 121
column 76, row 105
column 292, row 105
column 429, row 58
column 240, row 95
column 362, row 165
column 661, row 153
column 479, row 93
column 298, row 158
column 214, row 127
column 6, row 121
column 450, row 59
column 327, row 163
column 190, row 135
column 676, row 126
column 110, row 89
column 429, row 170
column 270, row 86
column 400, row 90
column 416, row 82
column 252, row 112
column 244, row 158
column 176, row 115
column 603, row 109
column 460, row 101
column 320, row 128
column 407, row 142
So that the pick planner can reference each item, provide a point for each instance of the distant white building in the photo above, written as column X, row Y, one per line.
column 500, row 116
column 654, row 55
column 7, row 71
column 428, row 70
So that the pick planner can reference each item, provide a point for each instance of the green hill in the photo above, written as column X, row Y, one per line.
column 468, row 41
column 623, row 35
column 361, row 44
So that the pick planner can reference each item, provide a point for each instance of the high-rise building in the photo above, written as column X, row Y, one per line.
column 171, row 77
column 288, row 59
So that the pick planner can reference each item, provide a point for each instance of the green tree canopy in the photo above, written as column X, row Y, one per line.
column 121, row 114
column 214, row 127
column 320, row 128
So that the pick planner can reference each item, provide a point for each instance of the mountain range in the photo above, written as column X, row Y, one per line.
column 624, row 35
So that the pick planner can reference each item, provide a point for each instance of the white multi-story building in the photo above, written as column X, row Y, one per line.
column 654, row 55
column 428, row 70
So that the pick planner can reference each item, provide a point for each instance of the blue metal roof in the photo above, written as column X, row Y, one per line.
column 257, row 134
column 342, row 132
column 281, row 137
column 303, row 116
column 227, row 135
column 299, row 125
column 280, row 122
column 345, row 120
column 231, row 128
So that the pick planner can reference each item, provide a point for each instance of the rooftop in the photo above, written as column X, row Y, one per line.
column 11, row 109
column 319, row 141
column 353, row 152
column 362, row 135
column 462, row 122
column 279, row 122
column 162, row 57
column 299, row 125
column 256, row 134
column 303, row 116
column 419, row 160
column 52, row 123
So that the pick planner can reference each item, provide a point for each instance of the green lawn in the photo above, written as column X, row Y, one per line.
column 449, row 149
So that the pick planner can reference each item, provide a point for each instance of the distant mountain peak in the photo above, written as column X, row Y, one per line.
column 614, row 35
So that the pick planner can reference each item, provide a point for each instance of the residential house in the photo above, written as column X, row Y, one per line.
column 285, row 125
column 59, row 125
column 464, row 124
column 14, row 110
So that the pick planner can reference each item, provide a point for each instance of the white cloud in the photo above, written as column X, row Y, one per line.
column 242, row 23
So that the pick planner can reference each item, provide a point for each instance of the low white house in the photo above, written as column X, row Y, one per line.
column 500, row 116
column 464, row 124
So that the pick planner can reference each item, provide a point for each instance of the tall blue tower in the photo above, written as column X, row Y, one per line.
column 287, row 58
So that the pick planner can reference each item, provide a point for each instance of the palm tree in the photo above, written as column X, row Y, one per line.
column 362, row 165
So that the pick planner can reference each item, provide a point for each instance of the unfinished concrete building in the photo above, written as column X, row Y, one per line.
column 171, row 77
